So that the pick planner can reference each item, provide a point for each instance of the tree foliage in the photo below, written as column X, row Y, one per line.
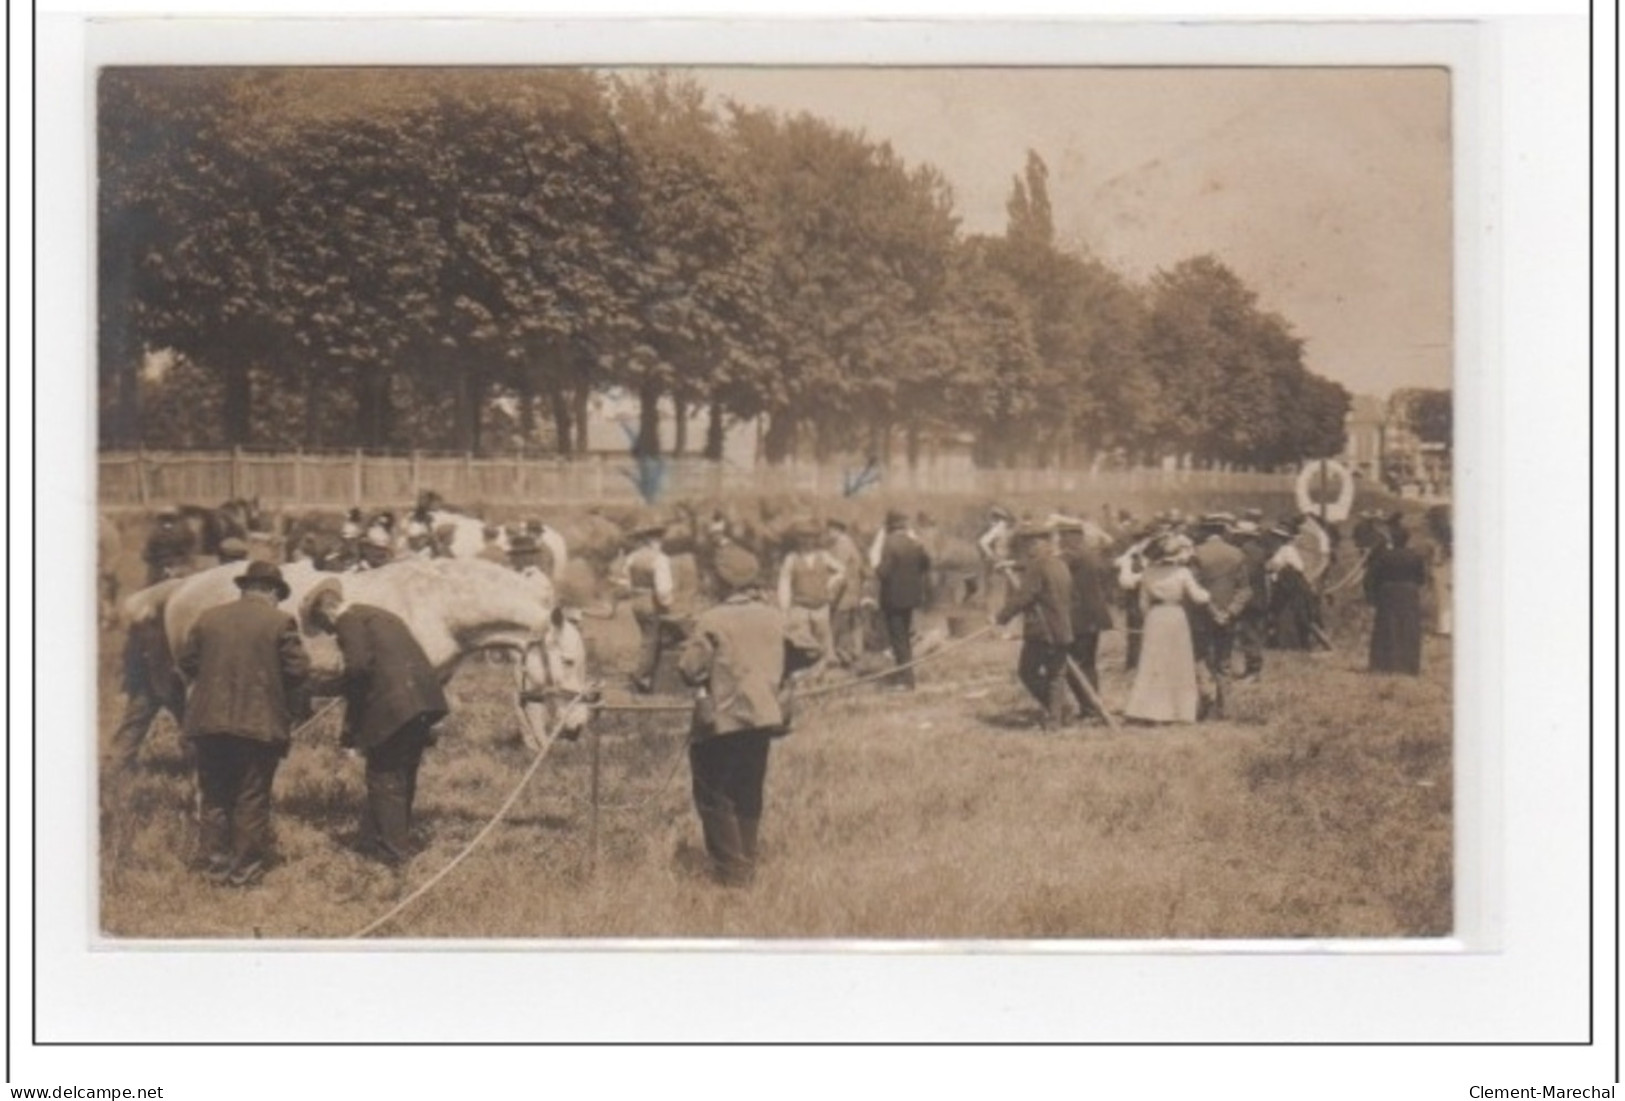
column 388, row 258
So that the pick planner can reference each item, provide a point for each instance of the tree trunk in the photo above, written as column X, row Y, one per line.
column 822, row 441
column 780, row 440
column 648, row 441
column 467, row 388
column 372, row 408
column 126, row 429
column 559, row 403
column 880, row 442
column 714, row 437
column 239, row 402
column 583, row 397
column 680, row 443
column 527, row 418
column 310, row 435
column 912, row 442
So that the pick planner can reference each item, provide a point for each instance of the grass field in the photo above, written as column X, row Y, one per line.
column 1320, row 808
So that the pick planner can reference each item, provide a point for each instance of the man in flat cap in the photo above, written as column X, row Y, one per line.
column 736, row 661
column 246, row 663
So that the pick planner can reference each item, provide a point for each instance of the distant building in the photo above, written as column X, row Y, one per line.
column 1365, row 430
column 1382, row 444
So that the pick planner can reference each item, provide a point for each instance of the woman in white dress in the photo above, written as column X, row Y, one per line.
column 1165, row 688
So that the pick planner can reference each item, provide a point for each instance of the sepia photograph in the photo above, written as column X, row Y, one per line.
column 774, row 503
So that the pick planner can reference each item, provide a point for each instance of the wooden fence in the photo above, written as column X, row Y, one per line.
column 152, row 478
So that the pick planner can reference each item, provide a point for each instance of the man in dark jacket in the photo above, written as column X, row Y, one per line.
column 1043, row 599
column 1091, row 614
column 1221, row 568
column 735, row 659
column 245, row 661
column 392, row 699
column 902, row 573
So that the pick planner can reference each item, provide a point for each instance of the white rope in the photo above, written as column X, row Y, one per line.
column 502, row 811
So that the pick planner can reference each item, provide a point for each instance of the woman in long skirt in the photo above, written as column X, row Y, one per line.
column 1393, row 585
column 1165, row 688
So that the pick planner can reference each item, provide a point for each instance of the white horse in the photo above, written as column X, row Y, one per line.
column 467, row 533
column 453, row 608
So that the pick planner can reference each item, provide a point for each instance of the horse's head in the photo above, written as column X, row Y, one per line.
column 554, row 688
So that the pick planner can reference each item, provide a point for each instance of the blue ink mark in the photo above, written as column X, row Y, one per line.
column 649, row 479
column 855, row 482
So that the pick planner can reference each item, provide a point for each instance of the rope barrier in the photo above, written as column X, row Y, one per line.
column 502, row 811
column 551, row 737
column 810, row 693
column 1359, row 568
column 310, row 722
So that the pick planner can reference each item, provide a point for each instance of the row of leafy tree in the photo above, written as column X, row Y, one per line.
column 461, row 259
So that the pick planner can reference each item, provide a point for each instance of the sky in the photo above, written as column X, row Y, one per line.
column 1327, row 190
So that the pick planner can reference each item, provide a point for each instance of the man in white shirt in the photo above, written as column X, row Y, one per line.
column 645, row 576
column 809, row 581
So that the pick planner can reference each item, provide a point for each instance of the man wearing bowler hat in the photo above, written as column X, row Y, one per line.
column 246, row 662
column 392, row 700
column 903, row 571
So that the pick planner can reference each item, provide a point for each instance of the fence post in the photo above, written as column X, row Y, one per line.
column 298, row 477
column 236, row 473
column 355, row 482
column 468, row 477
column 416, row 488
column 519, row 473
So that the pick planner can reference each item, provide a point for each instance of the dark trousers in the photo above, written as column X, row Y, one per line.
column 1250, row 640
column 234, row 778
column 1218, row 645
column 900, row 635
column 847, row 632
column 392, row 785
column 1040, row 666
column 729, row 771
column 649, row 645
column 1085, row 651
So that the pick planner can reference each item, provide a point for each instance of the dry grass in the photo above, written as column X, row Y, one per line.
column 1321, row 808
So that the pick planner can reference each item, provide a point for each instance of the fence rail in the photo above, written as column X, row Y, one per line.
column 154, row 478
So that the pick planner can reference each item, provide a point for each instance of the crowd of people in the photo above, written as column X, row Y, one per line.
column 1193, row 593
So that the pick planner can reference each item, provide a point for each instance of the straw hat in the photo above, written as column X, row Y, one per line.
column 307, row 605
